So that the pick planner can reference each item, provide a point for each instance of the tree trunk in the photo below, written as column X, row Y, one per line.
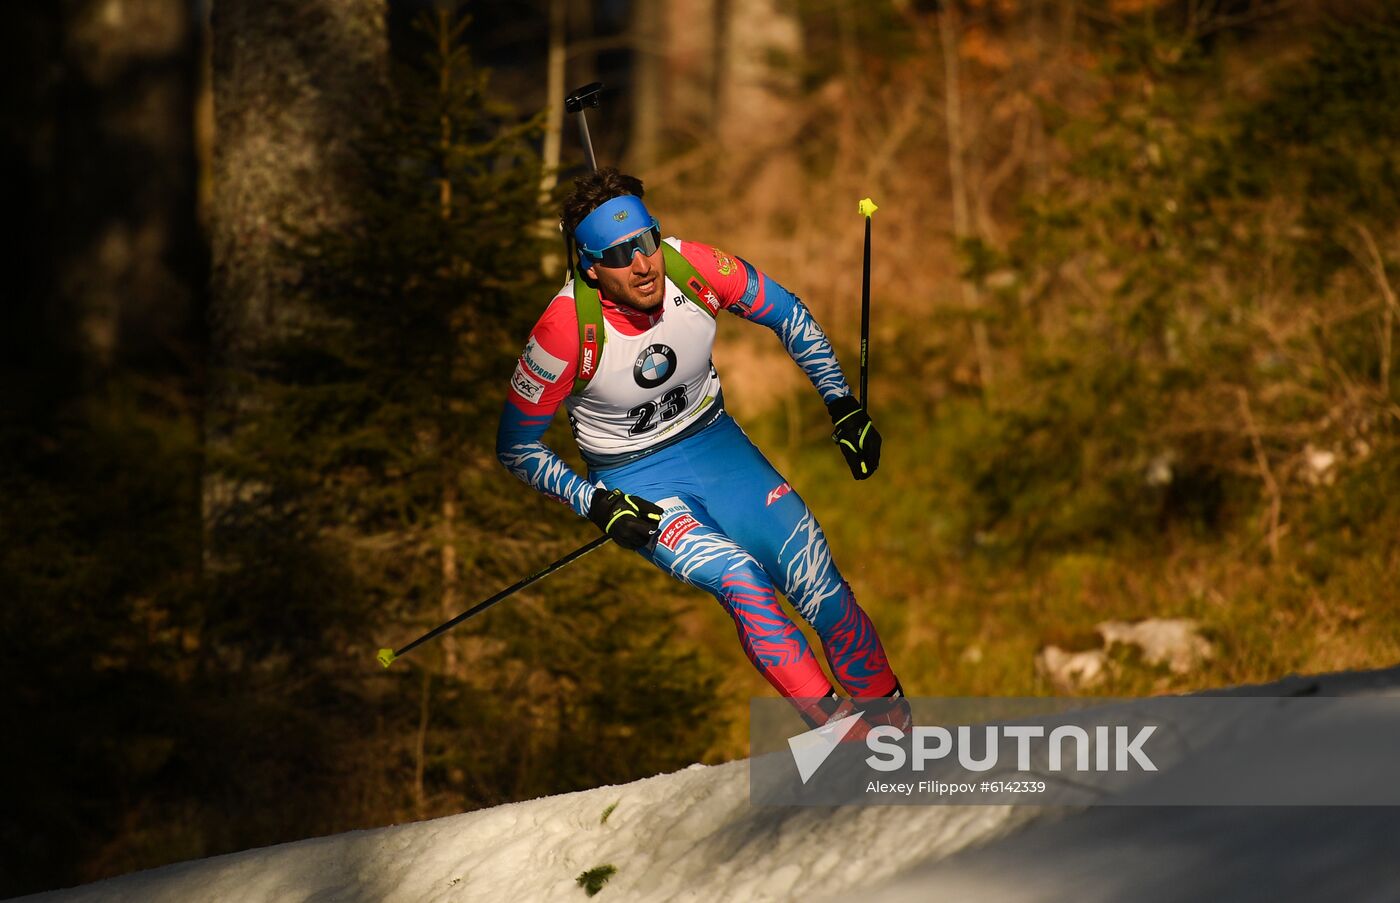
column 295, row 83
column 554, row 126
column 102, row 175
column 554, row 92
column 449, row 574
column 688, row 57
column 648, row 31
column 949, row 33
column 755, row 105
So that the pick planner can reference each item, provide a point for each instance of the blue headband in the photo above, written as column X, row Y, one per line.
column 610, row 222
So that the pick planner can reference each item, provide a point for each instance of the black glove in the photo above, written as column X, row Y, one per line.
column 630, row 520
column 856, row 436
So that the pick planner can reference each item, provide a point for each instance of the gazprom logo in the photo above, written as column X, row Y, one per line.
column 541, row 363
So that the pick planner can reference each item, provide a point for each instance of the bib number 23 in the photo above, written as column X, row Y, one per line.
column 651, row 414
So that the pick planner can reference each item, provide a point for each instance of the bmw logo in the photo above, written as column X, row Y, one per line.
column 654, row 366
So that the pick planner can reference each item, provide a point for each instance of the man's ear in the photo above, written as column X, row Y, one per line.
column 591, row 273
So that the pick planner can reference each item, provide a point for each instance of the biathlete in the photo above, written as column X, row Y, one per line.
column 625, row 346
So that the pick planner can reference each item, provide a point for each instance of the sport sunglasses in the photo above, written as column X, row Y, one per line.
column 620, row 254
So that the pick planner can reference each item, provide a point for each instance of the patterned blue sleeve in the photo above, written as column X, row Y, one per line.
column 520, row 449
column 785, row 314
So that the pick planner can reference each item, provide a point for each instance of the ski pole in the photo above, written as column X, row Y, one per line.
column 867, row 210
column 587, row 96
column 584, row 97
column 387, row 656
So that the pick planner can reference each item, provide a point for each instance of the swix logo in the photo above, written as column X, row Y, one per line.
column 682, row 525
column 590, row 346
column 777, row 494
column 706, row 295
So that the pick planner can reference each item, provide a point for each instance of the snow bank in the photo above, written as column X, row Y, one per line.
column 690, row 835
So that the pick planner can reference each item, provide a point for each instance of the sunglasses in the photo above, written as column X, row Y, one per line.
column 620, row 254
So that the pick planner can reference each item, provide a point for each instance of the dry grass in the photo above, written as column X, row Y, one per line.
column 1275, row 588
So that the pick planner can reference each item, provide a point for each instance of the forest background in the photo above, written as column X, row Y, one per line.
column 1134, row 314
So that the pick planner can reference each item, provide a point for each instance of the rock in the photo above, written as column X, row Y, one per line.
column 1159, row 469
column 1072, row 671
column 1320, row 466
column 1174, row 642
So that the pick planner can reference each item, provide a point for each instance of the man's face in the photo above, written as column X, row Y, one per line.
column 640, row 285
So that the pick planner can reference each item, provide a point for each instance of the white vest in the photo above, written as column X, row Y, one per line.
column 648, row 388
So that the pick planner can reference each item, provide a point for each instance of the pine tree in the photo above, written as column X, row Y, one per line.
column 374, row 462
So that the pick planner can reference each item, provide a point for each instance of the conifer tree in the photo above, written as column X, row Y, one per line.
column 375, row 462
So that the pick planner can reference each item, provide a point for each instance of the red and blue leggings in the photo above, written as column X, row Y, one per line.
column 734, row 527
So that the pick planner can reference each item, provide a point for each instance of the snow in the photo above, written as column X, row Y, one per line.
column 692, row 835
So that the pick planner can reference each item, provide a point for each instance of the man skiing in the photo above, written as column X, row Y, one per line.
column 626, row 346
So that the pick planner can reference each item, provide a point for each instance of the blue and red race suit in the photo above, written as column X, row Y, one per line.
column 651, row 422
